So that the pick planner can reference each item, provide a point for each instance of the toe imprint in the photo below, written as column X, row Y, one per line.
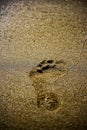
column 50, row 61
column 46, row 65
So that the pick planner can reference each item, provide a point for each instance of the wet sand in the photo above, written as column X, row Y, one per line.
column 31, row 32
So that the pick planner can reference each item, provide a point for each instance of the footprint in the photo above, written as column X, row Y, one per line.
column 47, row 70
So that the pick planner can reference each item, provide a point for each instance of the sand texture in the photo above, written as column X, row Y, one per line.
column 43, row 65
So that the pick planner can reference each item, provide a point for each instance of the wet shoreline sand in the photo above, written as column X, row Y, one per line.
column 29, row 34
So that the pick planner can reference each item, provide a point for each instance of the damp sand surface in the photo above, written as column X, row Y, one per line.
column 30, row 33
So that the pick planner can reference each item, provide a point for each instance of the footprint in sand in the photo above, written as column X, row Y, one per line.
column 47, row 71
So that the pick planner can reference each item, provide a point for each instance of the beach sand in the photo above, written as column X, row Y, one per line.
column 31, row 32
